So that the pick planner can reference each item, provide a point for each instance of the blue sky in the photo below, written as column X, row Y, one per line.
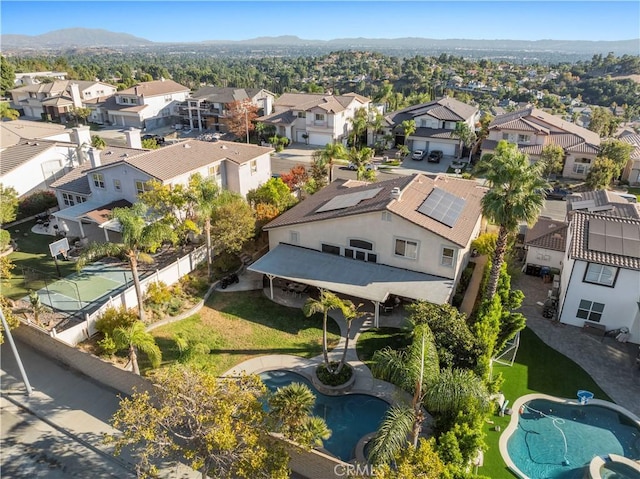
column 170, row 21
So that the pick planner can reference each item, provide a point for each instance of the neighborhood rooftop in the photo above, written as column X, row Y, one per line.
column 11, row 132
column 154, row 88
column 548, row 234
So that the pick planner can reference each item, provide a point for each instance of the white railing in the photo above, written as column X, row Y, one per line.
column 127, row 298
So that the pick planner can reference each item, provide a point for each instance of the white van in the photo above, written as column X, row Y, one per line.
column 627, row 196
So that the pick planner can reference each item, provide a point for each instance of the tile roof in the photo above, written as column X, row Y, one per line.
column 535, row 150
column 414, row 190
column 16, row 155
column 600, row 199
column 155, row 88
column 634, row 140
column 11, row 132
column 57, row 87
column 548, row 234
column 523, row 125
column 306, row 101
column 433, row 133
column 579, row 248
column 284, row 118
column 57, row 101
column 446, row 109
column 110, row 104
column 217, row 94
column 103, row 213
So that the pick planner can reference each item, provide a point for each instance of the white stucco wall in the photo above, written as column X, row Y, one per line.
column 98, row 90
column 570, row 161
column 162, row 105
column 544, row 257
column 621, row 301
column 241, row 178
column 39, row 171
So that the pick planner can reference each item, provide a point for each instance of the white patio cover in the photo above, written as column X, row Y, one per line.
column 356, row 278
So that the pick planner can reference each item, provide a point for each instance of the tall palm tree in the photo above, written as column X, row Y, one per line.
column 515, row 196
column 206, row 194
column 350, row 312
column 138, row 238
column 408, row 128
column 327, row 302
column 361, row 158
column 359, row 123
column 465, row 134
column 136, row 337
column 331, row 152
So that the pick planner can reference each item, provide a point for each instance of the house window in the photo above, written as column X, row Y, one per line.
column 319, row 117
column 167, row 98
column 331, row 249
column 590, row 310
column 142, row 186
column 254, row 166
column 302, row 114
column 406, row 248
column 423, row 122
column 294, row 237
column 98, row 180
column 214, row 172
column 524, row 138
column 133, row 101
column 447, row 256
column 361, row 244
column 117, row 185
column 386, row 216
column 361, row 250
column 600, row 274
column 67, row 199
column 580, row 169
column 124, row 100
column 80, row 199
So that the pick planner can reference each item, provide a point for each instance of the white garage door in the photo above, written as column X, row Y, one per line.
column 446, row 148
column 319, row 139
column 299, row 137
column 419, row 145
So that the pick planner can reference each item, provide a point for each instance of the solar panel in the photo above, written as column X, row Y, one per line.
column 348, row 200
column 614, row 237
column 442, row 206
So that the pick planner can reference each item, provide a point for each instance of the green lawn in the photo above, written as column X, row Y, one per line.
column 33, row 252
column 537, row 369
column 634, row 191
column 240, row 326
column 373, row 339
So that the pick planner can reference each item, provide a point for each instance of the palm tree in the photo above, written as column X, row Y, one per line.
column 205, row 193
column 138, row 237
column 361, row 158
column 327, row 302
column 359, row 123
column 331, row 152
column 408, row 128
column 350, row 312
column 515, row 196
column 465, row 134
column 136, row 337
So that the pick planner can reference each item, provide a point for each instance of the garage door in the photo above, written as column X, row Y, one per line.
column 299, row 137
column 319, row 139
column 419, row 145
column 446, row 148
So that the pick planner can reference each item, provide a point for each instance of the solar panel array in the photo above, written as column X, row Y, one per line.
column 614, row 237
column 442, row 206
column 348, row 200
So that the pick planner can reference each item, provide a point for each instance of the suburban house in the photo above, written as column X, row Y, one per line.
column 408, row 237
column 600, row 280
column 435, row 122
column 207, row 108
column 316, row 119
column 532, row 129
column 603, row 202
column 631, row 172
column 54, row 101
column 147, row 105
column 545, row 243
column 116, row 176
column 29, row 78
column 32, row 164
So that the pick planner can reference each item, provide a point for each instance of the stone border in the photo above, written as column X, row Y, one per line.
column 515, row 417
column 333, row 390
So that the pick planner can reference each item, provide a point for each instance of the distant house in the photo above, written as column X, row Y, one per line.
column 30, row 78
column 321, row 118
column 55, row 100
column 631, row 172
column 118, row 174
column 409, row 236
column 545, row 243
column 34, row 155
column 206, row 109
column 532, row 129
column 435, row 122
column 602, row 202
column 600, row 280
column 147, row 105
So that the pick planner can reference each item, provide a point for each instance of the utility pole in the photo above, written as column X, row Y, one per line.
column 5, row 326
column 246, row 121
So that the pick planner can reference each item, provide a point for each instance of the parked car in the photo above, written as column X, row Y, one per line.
column 557, row 193
column 435, row 156
column 418, row 155
column 370, row 166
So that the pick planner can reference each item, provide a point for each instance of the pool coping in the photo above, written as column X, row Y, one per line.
column 513, row 422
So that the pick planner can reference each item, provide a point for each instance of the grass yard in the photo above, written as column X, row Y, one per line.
column 537, row 369
column 372, row 340
column 33, row 252
column 240, row 326
column 634, row 191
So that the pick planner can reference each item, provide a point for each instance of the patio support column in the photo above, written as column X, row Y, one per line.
column 81, row 229
column 376, row 314
column 271, row 276
column 106, row 234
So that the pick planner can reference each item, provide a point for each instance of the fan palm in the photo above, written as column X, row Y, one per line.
column 359, row 123
column 515, row 196
column 205, row 193
column 330, row 153
column 350, row 312
column 138, row 237
column 361, row 158
column 408, row 128
column 327, row 302
column 136, row 337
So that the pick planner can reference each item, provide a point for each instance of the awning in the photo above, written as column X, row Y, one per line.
column 75, row 212
column 352, row 277
column 94, row 211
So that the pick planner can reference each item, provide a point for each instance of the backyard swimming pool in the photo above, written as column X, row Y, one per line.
column 558, row 440
column 350, row 417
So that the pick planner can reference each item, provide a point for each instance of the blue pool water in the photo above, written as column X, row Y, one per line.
column 537, row 446
column 349, row 417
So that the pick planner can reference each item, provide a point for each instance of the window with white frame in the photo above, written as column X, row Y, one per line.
column 319, row 117
column 302, row 114
column 600, row 274
column 117, row 185
column 406, row 248
column 214, row 172
column 590, row 310
column 524, row 138
column 294, row 237
column 447, row 256
column 386, row 216
column 361, row 250
column 67, row 199
column 80, row 199
column 254, row 166
column 133, row 101
column 331, row 249
column 142, row 186
column 124, row 100
column 98, row 180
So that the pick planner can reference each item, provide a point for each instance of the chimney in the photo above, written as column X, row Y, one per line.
column 395, row 193
column 75, row 95
column 133, row 138
column 94, row 157
column 81, row 135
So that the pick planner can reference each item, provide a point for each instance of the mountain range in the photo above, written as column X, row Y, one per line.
column 85, row 37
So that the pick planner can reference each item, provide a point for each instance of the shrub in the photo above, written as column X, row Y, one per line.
column 158, row 293
column 114, row 318
column 193, row 285
column 5, row 239
column 331, row 379
column 107, row 345
column 35, row 203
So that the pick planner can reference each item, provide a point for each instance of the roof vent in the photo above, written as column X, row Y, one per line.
column 224, row 147
column 108, row 152
column 395, row 193
column 126, row 155
column 186, row 145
